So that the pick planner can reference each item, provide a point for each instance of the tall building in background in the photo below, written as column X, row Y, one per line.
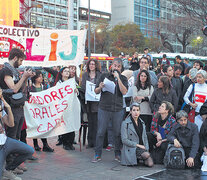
column 51, row 14
column 140, row 12
column 9, row 12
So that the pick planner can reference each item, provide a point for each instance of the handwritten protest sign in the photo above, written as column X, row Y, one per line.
column 44, row 47
column 53, row 112
column 90, row 95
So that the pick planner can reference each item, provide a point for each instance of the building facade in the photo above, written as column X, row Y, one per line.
column 140, row 12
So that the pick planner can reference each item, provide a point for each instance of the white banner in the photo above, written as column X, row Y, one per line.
column 53, row 112
column 90, row 95
column 130, row 87
column 44, row 47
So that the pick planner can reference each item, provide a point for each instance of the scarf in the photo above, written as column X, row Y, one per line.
column 162, row 122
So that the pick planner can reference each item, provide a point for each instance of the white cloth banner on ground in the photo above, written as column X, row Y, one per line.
column 130, row 87
column 90, row 94
column 53, row 112
column 44, row 47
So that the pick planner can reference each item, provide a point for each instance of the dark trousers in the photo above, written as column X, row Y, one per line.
column 197, row 162
column 68, row 138
column 44, row 142
column 147, row 120
column 15, row 132
column 158, row 153
column 92, row 128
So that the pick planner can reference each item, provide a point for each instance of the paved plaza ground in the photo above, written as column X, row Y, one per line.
column 76, row 165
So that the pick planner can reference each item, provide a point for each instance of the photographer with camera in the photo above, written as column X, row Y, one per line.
column 10, row 79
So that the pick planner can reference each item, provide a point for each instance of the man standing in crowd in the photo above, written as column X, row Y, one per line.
column 125, row 62
column 185, row 134
column 110, row 108
column 144, row 64
column 179, row 61
column 134, row 64
column 10, row 79
column 165, row 60
column 198, row 65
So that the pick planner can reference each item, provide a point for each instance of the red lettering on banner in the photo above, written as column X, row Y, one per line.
column 65, row 104
column 49, row 126
column 40, row 100
column 54, row 95
column 32, row 113
column 37, row 112
column 52, row 115
column 44, row 111
column 61, row 93
column 38, row 129
column 46, row 99
column 200, row 98
column 68, row 89
column 57, row 106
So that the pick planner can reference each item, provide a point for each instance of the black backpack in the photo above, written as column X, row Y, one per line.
column 174, row 157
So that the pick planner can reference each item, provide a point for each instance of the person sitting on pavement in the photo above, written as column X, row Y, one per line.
column 185, row 134
column 162, row 123
column 9, row 145
column 134, row 139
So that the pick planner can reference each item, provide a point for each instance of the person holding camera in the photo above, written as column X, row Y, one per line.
column 10, row 79
column 110, row 107
column 8, row 145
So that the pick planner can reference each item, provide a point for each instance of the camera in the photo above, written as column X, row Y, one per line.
column 30, row 68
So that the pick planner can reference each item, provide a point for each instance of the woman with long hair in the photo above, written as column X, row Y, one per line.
column 164, row 92
column 134, row 139
column 37, row 86
column 64, row 74
column 92, row 75
column 161, row 125
column 142, row 92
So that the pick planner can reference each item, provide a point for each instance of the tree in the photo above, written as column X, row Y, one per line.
column 127, row 38
column 180, row 29
column 196, row 9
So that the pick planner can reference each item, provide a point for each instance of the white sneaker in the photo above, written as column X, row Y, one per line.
column 10, row 175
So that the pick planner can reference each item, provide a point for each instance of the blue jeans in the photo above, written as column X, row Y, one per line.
column 104, row 117
column 22, row 150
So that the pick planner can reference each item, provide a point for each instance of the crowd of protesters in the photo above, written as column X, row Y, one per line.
column 167, row 106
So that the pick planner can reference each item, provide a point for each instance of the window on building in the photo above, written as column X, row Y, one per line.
column 58, row 10
column 143, row 11
column 52, row 22
column 150, row 13
column 39, row 21
column 39, row 8
column 64, row 12
column 58, row 1
column 33, row 19
column 52, row 9
column 46, row 8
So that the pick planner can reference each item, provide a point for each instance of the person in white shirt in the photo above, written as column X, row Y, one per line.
column 200, row 95
column 9, row 145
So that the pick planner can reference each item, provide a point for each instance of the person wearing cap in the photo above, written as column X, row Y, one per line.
column 185, row 134
column 134, row 139
column 203, row 135
column 200, row 95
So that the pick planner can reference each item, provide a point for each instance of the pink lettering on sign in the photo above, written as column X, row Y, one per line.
column 29, row 42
